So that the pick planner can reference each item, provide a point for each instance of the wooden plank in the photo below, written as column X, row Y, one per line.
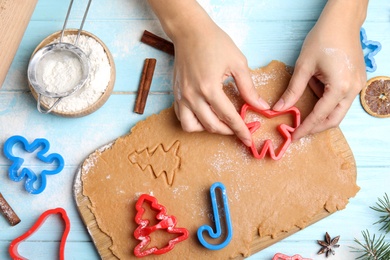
column 101, row 240
column 14, row 18
column 18, row 115
column 48, row 250
column 369, row 144
column 373, row 182
column 260, row 41
column 251, row 10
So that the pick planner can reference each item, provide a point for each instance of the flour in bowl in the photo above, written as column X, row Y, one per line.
column 96, row 84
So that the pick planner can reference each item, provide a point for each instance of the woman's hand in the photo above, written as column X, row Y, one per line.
column 331, row 62
column 203, row 61
column 205, row 56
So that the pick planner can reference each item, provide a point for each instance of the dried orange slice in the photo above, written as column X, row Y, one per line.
column 375, row 97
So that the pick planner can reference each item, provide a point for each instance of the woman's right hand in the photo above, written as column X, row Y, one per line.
column 205, row 56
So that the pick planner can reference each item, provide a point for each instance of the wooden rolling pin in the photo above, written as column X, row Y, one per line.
column 14, row 18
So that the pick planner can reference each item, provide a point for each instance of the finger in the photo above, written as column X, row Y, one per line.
column 297, row 85
column 335, row 118
column 226, row 112
column 177, row 110
column 318, row 116
column 247, row 90
column 317, row 86
column 189, row 122
column 209, row 120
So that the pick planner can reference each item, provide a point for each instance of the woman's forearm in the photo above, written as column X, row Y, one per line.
column 179, row 18
column 349, row 14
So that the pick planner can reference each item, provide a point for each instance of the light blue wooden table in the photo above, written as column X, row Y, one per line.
column 264, row 30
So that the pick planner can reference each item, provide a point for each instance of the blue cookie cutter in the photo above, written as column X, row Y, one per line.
column 17, row 173
column 370, row 49
column 218, row 229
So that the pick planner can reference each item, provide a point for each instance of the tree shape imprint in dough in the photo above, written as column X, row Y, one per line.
column 159, row 159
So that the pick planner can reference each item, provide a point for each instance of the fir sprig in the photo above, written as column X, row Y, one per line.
column 383, row 206
column 372, row 249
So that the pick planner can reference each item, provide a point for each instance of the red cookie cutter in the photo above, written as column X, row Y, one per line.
column 13, row 248
column 284, row 130
column 166, row 222
column 280, row 256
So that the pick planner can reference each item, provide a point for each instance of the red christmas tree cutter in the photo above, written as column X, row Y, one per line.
column 165, row 222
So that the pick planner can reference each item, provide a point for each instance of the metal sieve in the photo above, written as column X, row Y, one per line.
column 34, row 73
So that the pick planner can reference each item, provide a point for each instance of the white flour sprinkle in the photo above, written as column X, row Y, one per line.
column 92, row 159
column 341, row 57
column 78, row 183
column 262, row 79
column 139, row 194
column 89, row 163
column 179, row 190
column 64, row 73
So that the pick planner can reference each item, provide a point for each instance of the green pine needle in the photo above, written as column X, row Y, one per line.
column 383, row 206
column 372, row 248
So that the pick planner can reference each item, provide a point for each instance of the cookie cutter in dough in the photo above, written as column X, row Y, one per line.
column 17, row 174
column 165, row 222
column 218, row 228
column 370, row 49
column 13, row 248
column 34, row 74
column 283, row 129
column 280, row 256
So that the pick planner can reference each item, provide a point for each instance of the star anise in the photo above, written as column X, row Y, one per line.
column 328, row 245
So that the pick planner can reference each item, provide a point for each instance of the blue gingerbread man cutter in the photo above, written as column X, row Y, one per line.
column 218, row 229
column 17, row 173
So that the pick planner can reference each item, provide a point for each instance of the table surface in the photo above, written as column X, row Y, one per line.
column 263, row 30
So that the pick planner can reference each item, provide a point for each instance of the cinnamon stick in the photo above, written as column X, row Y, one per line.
column 8, row 212
column 144, row 86
column 158, row 42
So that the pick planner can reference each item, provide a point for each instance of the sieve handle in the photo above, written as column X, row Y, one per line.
column 82, row 23
column 43, row 110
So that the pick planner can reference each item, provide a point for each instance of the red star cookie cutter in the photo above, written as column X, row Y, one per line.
column 284, row 130
column 166, row 222
column 13, row 248
column 280, row 256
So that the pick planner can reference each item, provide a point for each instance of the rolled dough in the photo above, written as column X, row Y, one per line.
column 268, row 199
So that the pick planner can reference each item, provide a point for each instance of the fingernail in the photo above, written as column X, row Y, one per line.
column 294, row 137
column 264, row 104
column 248, row 142
column 279, row 105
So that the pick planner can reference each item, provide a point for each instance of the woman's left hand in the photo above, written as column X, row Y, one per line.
column 331, row 62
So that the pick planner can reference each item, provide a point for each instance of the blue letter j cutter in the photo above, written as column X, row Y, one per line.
column 218, row 229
